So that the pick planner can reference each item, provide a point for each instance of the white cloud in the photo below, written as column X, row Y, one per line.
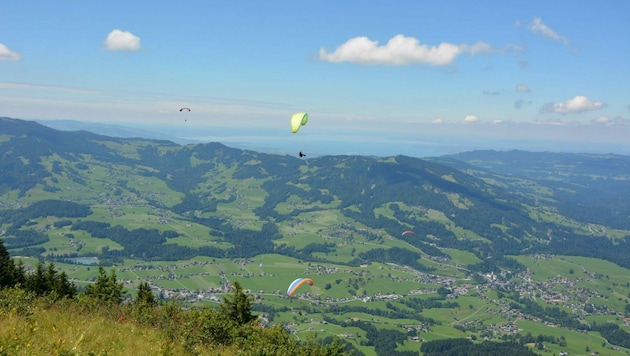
column 607, row 121
column 537, row 26
column 523, row 88
column 603, row 120
column 437, row 121
column 511, row 48
column 551, row 123
column 400, row 50
column 7, row 55
column 43, row 88
column 471, row 119
column 118, row 40
column 576, row 105
column 479, row 48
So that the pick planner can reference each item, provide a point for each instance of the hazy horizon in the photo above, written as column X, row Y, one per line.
column 317, row 143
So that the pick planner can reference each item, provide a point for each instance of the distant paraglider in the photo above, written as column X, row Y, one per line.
column 185, row 110
column 407, row 232
column 298, row 120
column 297, row 284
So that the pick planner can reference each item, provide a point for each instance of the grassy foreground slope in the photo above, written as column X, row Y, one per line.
column 85, row 326
column 59, row 330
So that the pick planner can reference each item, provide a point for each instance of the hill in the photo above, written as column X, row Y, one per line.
column 584, row 187
column 193, row 218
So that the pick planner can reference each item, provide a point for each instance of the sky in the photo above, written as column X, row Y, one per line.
column 418, row 78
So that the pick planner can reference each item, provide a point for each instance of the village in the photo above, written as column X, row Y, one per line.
column 557, row 291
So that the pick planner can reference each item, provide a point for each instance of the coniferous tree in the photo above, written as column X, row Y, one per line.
column 20, row 273
column 44, row 281
column 64, row 287
column 145, row 295
column 7, row 268
column 36, row 281
column 50, row 277
column 106, row 288
column 237, row 306
column 115, row 289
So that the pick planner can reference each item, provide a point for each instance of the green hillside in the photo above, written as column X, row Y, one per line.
column 496, row 251
column 585, row 187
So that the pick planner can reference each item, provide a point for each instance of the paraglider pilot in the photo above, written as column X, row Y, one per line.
column 302, row 154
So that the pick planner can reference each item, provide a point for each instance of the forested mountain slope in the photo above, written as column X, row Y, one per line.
column 584, row 187
column 485, row 201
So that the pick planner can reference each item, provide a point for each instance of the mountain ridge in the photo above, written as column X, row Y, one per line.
column 404, row 189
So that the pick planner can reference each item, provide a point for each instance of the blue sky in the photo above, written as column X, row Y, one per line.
column 376, row 77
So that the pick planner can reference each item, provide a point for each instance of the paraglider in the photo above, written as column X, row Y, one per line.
column 185, row 109
column 297, row 283
column 297, row 120
column 407, row 232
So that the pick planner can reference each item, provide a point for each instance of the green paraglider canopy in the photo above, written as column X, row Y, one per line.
column 297, row 120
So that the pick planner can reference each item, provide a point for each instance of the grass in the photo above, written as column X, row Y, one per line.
column 57, row 331
column 463, row 257
column 576, row 341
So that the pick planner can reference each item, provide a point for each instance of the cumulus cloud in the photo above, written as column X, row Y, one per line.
column 576, row 105
column 607, row 121
column 521, row 88
column 603, row 120
column 400, row 50
column 7, row 55
column 537, row 26
column 118, row 40
column 471, row 119
column 438, row 121
column 551, row 123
